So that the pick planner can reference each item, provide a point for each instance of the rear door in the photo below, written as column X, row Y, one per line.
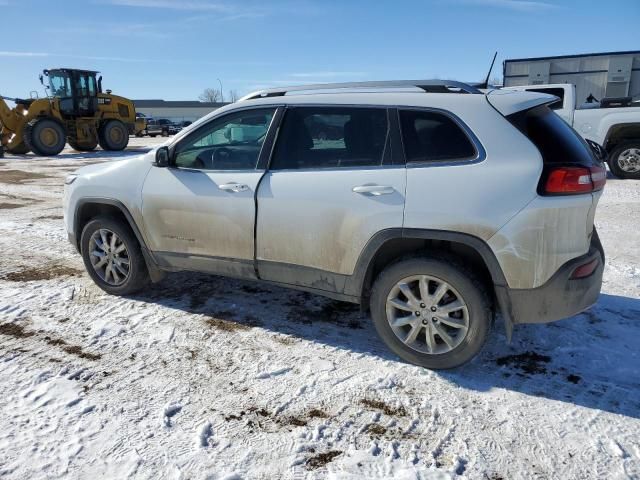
column 334, row 181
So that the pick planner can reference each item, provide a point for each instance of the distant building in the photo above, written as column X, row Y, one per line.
column 176, row 111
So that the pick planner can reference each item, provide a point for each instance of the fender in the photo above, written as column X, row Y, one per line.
column 155, row 272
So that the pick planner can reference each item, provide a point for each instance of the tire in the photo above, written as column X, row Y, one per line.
column 84, row 147
column 152, row 135
column 113, row 136
column 44, row 136
column 131, row 279
column 165, row 133
column 624, row 160
column 466, row 342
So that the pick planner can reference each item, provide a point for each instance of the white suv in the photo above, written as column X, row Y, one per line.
column 432, row 203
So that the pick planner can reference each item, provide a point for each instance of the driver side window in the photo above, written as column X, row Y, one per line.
column 232, row 142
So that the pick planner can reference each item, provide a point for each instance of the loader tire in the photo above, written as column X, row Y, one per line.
column 113, row 136
column 84, row 147
column 44, row 136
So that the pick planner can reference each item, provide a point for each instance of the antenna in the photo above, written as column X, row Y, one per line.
column 485, row 84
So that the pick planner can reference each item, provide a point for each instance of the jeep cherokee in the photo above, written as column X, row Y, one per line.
column 432, row 203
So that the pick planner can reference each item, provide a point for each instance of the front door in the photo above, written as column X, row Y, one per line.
column 332, row 184
column 200, row 212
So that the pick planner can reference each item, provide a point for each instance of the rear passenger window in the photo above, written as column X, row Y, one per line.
column 432, row 137
column 332, row 137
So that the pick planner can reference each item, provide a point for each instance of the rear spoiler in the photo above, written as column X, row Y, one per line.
column 508, row 102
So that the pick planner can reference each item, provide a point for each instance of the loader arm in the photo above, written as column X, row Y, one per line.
column 8, row 116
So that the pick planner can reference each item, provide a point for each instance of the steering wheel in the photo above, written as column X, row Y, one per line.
column 221, row 155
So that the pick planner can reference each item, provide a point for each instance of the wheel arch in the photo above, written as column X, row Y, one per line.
column 88, row 208
column 620, row 133
column 390, row 245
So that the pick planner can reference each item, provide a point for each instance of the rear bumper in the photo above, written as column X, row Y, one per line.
column 561, row 296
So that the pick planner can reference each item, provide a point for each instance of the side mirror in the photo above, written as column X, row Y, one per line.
column 162, row 157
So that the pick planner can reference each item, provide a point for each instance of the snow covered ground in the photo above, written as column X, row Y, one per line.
column 205, row 377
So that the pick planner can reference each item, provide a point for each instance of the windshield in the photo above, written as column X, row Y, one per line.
column 60, row 84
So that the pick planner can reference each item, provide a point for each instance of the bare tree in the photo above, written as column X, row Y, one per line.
column 210, row 95
column 233, row 96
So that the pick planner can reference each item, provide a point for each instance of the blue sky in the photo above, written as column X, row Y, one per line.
column 174, row 49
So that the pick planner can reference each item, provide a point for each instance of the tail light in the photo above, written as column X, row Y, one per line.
column 574, row 180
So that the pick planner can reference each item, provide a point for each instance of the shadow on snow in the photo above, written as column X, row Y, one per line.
column 591, row 359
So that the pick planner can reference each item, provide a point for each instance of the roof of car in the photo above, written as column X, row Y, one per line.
column 428, row 86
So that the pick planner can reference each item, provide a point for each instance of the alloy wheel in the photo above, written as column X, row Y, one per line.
column 427, row 314
column 109, row 257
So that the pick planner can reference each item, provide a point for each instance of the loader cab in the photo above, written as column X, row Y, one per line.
column 77, row 91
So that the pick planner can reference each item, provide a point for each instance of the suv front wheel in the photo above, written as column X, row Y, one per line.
column 112, row 256
column 430, row 312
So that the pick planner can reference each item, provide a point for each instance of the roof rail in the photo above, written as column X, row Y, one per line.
column 429, row 86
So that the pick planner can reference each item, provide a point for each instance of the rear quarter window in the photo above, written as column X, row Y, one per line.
column 434, row 137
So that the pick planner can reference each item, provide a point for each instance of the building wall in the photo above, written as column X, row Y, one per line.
column 175, row 114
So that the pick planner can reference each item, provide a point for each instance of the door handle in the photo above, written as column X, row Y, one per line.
column 233, row 187
column 374, row 189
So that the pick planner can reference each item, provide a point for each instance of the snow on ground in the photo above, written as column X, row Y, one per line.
column 205, row 377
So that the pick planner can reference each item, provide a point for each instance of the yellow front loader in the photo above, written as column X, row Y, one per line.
column 76, row 111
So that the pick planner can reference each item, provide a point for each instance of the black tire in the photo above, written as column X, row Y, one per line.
column 84, row 147
column 113, row 136
column 615, row 159
column 44, row 136
column 152, row 135
column 465, row 282
column 138, row 277
column 165, row 133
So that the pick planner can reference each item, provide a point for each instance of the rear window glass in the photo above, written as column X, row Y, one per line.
column 332, row 137
column 557, row 141
column 432, row 137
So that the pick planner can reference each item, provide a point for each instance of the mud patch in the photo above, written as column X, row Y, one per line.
column 383, row 407
column 18, row 331
column 44, row 273
column 10, row 206
column 316, row 413
column 50, row 217
column 528, row 362
column 224, row 320
column 376, row 430
column 20, row 176
column 14, row 330
column 71, row 349
column 322, row 459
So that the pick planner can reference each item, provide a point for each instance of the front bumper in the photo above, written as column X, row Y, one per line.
column 561, row 296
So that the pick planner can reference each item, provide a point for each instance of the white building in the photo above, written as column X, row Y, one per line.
column 176, row 111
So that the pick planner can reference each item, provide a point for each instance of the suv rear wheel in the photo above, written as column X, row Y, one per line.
column 431, row 313
column 112, row 256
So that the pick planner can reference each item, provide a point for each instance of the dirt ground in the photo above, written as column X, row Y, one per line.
column 206, row 377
